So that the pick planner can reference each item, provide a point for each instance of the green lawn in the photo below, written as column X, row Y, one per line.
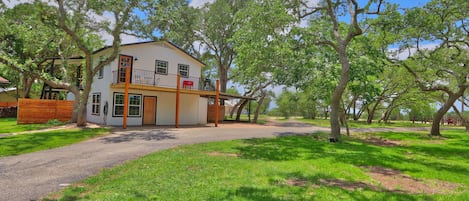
column 26, row 143
column 245, row 117
column 363, row 124
column 8, row 125
column 289, row 168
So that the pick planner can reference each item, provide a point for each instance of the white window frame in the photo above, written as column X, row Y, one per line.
column 160, row 64
column 115, row 104
column 135, row 105
column 96, row 104
column 131, row 105
column 183, row 72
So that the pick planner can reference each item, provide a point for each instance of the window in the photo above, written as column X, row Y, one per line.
column 118, row 104
column 135, row 103
column 101, row 73
column 96, row 103
column 161, row 67
column 183, row 70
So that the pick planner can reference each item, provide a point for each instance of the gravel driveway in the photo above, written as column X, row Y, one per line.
column 30, row 176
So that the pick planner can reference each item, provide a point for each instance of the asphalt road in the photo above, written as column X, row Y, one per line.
column 31, row 176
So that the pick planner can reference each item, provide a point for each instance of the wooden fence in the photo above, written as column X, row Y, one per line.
column 41, row 111
column 8, row 104
column 211, row 113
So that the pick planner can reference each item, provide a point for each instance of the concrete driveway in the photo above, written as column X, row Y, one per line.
column 31, row 176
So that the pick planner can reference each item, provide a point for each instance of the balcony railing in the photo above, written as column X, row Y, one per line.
column 146, row 77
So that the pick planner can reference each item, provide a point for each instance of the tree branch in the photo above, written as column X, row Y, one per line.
column 63, row 25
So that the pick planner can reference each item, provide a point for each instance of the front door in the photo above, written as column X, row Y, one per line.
column 124, row 62
column 149, row 110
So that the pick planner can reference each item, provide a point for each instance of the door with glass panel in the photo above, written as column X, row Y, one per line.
column 124, row 63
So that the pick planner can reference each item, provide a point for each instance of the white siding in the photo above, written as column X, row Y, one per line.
column 100, row 86
column 203, row 104
column 147, row 54
column 193, row 109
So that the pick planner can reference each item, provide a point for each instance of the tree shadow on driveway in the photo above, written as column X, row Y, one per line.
column 147, row 135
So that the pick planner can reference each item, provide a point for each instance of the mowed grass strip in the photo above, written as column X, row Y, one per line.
column 26, row 143
column 288, row 168
column 8, row 125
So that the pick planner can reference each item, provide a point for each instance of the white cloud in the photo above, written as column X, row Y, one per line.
column 404, row 54
column 12, row 3
column 199, row 3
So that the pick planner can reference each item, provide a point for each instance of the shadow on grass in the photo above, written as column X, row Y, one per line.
column 352, row 189
column 250, row 193
column 304, row 147
column 25, row 143
column 331, row 189
column 355, row 152
column 148, row 135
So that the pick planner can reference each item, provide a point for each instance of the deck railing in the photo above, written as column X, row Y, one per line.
column 146, row 77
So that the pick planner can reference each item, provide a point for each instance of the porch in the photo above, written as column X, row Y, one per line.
column 149, row 81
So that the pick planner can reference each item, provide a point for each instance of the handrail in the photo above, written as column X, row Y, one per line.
column 151, row 78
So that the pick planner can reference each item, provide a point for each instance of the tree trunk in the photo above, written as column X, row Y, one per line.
column 27, row 84
column 435, row 131
column 259, row 105
column 343, row 119
column 337, row 95
column 81, row 117
column 360, row 113
column 76, row 104
column 223, row 79
column 355, row 110
column 235, row 107
column 371, row 113
column 464, row 121
column 81, row 114
column 240, row 109
column 386, row 115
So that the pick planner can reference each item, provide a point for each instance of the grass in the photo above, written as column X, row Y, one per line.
column 26, row 143
column 363, row 124
column 244, row 117
column 259, row 169
column 8, row 125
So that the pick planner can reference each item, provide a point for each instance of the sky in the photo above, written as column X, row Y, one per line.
column 199, row 3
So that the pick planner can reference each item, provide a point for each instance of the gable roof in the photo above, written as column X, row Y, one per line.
column 163, row 41
column 4, row 81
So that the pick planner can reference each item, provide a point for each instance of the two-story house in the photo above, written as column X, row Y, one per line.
column 154, row 67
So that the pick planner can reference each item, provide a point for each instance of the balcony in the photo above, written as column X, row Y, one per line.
column 150, row 78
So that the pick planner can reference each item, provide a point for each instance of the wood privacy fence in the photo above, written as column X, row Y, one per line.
column 211, row 113
column 41, row 111
column 8, row 104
